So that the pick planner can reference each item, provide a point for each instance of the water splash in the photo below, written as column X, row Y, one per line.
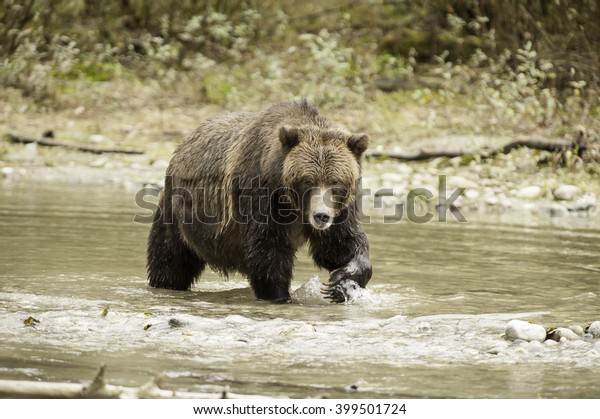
column 310, row 293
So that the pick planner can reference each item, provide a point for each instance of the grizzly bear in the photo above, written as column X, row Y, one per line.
column 245, row 190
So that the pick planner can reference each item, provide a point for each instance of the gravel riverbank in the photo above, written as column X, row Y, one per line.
column 513, row 187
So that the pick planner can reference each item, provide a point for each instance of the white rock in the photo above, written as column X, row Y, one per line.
column 306, row 329
column 562, row 333
column 460, row 182
column 97, row 138
column 99, row 162
column 491, row 200
column 7, row 171
column 577, row 329
column 519, row 329
column 583, row 203
column 404, row 169
column 594, row 329
column 529, row 192
column 496, row 350
column 566, row 192
column 472, row 194
column 550, row 342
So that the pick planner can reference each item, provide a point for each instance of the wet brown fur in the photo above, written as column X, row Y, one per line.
column 239, row 164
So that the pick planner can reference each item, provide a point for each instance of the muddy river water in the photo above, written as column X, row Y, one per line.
column 430, row 324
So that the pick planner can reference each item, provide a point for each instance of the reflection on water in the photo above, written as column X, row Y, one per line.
column 437, row 304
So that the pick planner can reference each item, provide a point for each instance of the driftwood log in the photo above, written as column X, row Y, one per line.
column 98, row 389
column 421, row 154
column 51, row 142
column 539, row 143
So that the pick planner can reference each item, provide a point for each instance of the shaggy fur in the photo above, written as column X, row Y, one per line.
column 238, row 194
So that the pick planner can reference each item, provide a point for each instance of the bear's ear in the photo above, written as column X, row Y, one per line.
column 289, row 137
column 358, row 143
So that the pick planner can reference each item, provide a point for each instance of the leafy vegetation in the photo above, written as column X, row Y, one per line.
column 515, row 64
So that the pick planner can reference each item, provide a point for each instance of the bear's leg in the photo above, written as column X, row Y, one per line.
column 271, row 264
column 171, row 263
column 344, row 251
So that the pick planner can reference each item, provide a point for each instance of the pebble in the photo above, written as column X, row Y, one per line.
column 460, row 182
column 471, row 194
column 584, row 203
column 97, row 139
column 404, row 169
column 306, row 328
column 99, row 162
column 550, row 342
column 594, row 329
column 529, row 192
column 562, row 332
column 496, row 350
column 519, row 329
column 578, row 330
column 7, row 171
column 491, row 200
column 566, row 192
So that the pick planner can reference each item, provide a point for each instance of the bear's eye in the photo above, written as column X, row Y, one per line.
column 339, row 194
column 304, row 183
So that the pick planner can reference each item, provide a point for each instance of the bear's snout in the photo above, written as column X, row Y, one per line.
column 321, row 208
column 322, row 218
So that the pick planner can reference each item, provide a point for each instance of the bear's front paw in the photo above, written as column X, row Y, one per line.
column 343, row 291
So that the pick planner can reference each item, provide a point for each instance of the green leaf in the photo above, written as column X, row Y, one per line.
column 30, row 321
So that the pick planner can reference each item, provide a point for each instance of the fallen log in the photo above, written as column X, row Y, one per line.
column 546, row 144
column 50, row 142
column 538, row 144
column 422, row 154
column 98, row 389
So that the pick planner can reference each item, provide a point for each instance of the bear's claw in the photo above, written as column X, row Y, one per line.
column 334, row 292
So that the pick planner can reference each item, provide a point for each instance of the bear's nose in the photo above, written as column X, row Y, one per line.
column 322, row 218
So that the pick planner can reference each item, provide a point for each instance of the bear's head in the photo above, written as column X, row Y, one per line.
column 322, row 169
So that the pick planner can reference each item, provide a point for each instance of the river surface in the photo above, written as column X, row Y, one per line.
column 430, row 324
